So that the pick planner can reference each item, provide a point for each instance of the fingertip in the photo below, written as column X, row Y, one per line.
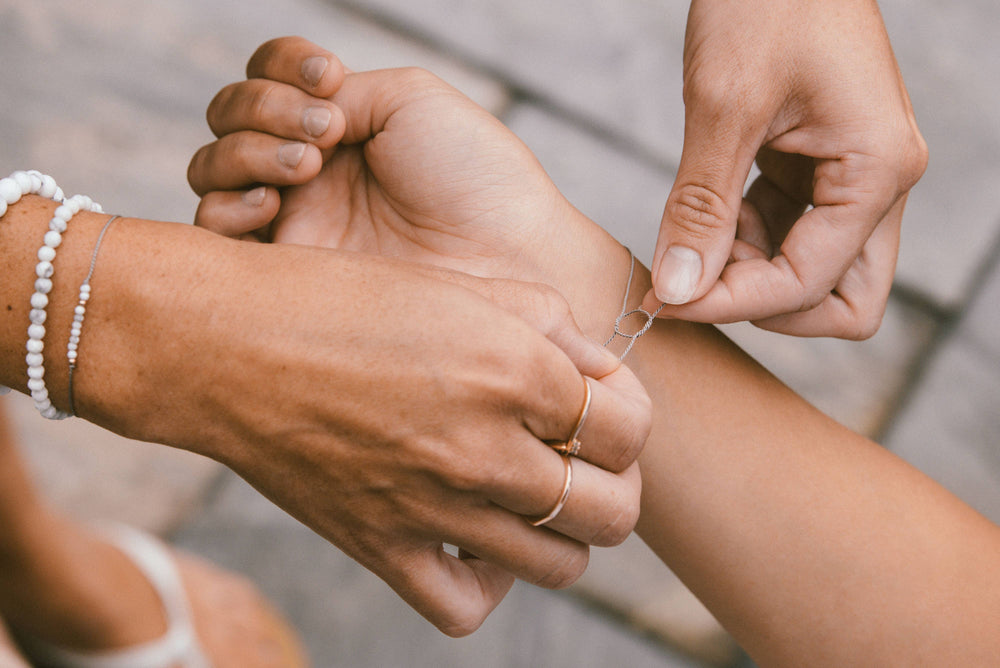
column 651, row 303
column 329, row 129
column 299, row 62
column 456, row 595
column 322, row 74
column 595, row 360
column 302, row 161
column 237, row 213
column 677, row 275
column 254, row 198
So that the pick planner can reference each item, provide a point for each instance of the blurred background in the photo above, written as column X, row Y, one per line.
column 109, row 97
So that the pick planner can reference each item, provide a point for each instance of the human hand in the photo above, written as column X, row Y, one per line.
column 422, row 173
column 416, row 170
column 813, row 91
column 389, row 423
column 370, row 194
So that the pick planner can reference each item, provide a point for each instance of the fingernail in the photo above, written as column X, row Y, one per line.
column 313, row 69
column 255, row 197
column 316, row 121
column 290, row 155
column 680, row 271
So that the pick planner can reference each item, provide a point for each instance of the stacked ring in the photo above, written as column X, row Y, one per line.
column 568, row 450
column 567, row 483
column 572, row 445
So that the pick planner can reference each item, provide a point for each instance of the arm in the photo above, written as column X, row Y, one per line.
column 318, row 377
column 810, row 543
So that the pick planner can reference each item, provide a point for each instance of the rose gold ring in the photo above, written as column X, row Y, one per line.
column 567, row 484
column 572, row 445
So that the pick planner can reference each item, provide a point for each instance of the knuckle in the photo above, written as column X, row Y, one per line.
column 635, row 431
column 218, row 108
column 266, row 52
column 552, row 306
column 568, row 570
column 462, row 475
column 459, row 628
column 455, row 468
column 707, row 93
column 460, row 623
column 630, row 437
column 904, row 154
column 916, row 164
column 813, row 297
column 619, row 527
column 698, row 211
column 415, row 83
column 417, row 76
column 268, row 48
column 863, row 326
column 239, row 153
column 205, row 215
column 257, row 101
column 196, row 169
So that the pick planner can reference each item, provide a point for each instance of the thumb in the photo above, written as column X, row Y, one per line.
column 699, row 222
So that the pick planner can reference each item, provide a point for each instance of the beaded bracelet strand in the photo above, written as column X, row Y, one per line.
column 12, row 189
column 72, row 348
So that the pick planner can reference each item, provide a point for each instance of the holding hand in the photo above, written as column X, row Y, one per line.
column 812, row 91
column 402, row 181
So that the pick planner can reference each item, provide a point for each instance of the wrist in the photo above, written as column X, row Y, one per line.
column 590, row 269
column 21, row 233
column 143, row 351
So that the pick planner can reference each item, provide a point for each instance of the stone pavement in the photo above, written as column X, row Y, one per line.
column 109, row 96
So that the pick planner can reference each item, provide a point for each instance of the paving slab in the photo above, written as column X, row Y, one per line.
column 109, row 96
column 947, row 53
column 615, row 66
column 349, row 618
column 981, row 323
column 856, row 383
column 950, row 428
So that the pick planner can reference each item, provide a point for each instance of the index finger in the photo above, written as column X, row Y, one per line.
column 298, row 62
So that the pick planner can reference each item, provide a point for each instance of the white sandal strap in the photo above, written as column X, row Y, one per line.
column 179, row 646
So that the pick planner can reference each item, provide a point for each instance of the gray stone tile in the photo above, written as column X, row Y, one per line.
column 616, row 65
column 109, row 96
column 350, row 618
column 631, row 580
column 947, row 53
column 94, row 475
column 951, row 426
column 981, row 322
column 856, row 383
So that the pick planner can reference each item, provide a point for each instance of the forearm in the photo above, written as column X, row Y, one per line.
column 145, row 289
column 810, row 543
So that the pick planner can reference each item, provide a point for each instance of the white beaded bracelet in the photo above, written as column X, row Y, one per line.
column 73, row 347
column 12, row 189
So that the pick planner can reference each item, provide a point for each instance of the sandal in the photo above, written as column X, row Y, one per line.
column 178, row 647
